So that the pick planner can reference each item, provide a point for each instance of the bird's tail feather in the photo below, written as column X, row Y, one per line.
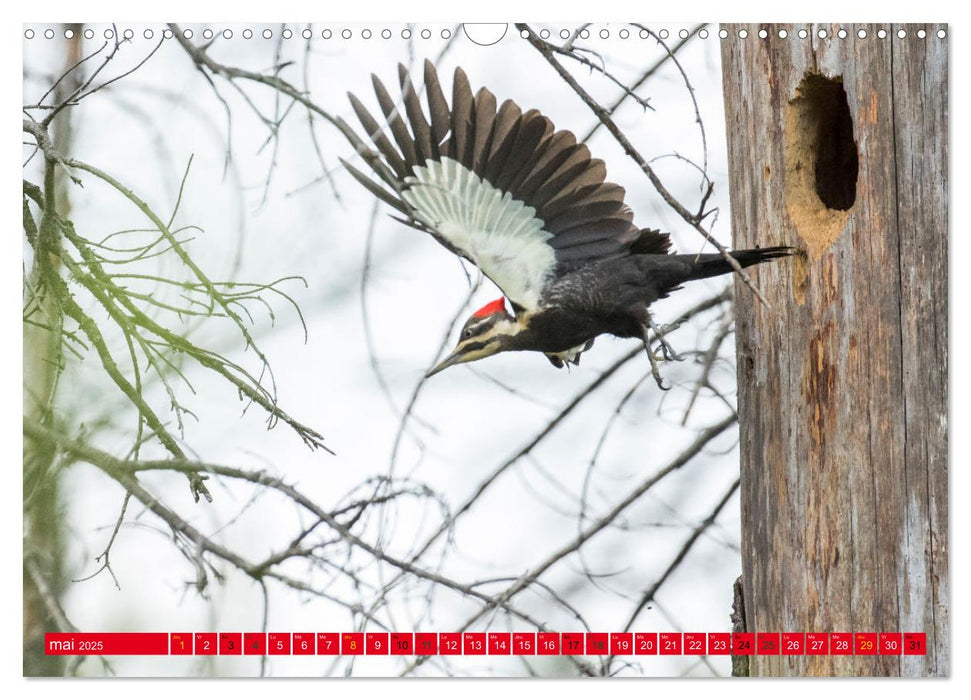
column 714, row 264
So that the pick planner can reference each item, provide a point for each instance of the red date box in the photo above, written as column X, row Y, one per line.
column 500, row 643
column 793, row 643
column 621, row 643
column 548, row 643
column 891, row 643
column 352, row 644
column 278, row 643
column 426, row 643
column 206, row 643
column 254, row 644
column 694, row 643
column 669, row 643
column 377, row 643
column 402, row 643
column 768, row 643
column 329, row 643
column 841, row 643
column 524, row 643
column 719, row 643
column 817, row 644
column 572, row 643
column 645, row 643
column 180, row 643
column 230, row 643
column 304, row 643
column 474, row 643
column 915, row 643
column 866, row 643
column 450, row 643
column 597, row 643
column 743, row 643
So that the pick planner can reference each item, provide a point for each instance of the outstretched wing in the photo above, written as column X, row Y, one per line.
column 499, row 187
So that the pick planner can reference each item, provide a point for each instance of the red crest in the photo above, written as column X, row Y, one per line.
column 491, row 308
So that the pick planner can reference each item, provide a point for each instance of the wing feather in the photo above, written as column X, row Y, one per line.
column 507, row 124
column 580, row 216
column 500, row 187
column 485, row 123
column 441, row 119
column 397, row 125
column 463, row 119
column 530, row 134
column 375, row 189
column 594, row 231
column 425, row 147
column 378, row 138
column 561, row 146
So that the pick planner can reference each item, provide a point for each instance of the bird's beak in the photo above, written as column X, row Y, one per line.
column 453, row 359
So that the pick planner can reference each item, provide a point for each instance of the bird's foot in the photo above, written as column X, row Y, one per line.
column 667, row 351
column 655, row 368
column 656, row 371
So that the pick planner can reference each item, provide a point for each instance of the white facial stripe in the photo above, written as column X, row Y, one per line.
column 486, row 333
column 501, row 235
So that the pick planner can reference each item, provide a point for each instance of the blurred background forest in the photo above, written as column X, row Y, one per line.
column 225, row 419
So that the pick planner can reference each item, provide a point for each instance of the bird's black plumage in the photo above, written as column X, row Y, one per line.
column 612, row 296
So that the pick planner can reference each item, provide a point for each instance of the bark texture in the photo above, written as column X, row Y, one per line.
column 839, row 146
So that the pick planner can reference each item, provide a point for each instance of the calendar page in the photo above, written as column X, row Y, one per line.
column 550, row 350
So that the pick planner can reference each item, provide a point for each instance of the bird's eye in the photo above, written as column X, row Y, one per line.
column 468, row 333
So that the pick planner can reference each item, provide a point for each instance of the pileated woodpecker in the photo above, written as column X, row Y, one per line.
column 531, row 209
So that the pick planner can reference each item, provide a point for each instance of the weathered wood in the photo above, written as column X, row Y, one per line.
column 842, row 383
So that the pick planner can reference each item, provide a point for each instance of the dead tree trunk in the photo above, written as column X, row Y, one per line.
column 838, row 146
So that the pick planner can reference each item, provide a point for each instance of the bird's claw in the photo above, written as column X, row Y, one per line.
column 667, row 351
column 655, row 369
column 656, row 372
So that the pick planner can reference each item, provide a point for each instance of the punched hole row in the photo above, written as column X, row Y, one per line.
column 447, row 33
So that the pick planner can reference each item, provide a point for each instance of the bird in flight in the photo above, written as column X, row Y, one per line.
column 531, row 208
